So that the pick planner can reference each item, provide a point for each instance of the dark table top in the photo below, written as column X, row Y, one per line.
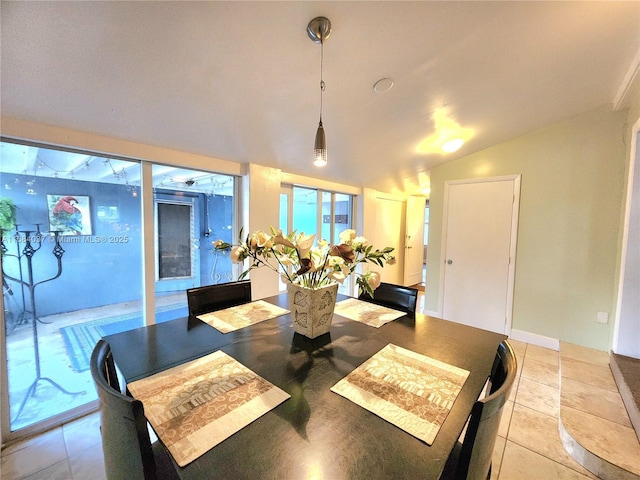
column 316, row 433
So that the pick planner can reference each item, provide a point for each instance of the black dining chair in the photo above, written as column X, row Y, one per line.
column 393, row 296
column 128, row 451
column 217, row 297
column 471, row 459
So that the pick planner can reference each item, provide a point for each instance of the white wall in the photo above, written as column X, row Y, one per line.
column 261, row 206
column 390, row 226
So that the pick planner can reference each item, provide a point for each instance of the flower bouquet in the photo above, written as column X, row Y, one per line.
column 311, row 270
column 302, row 261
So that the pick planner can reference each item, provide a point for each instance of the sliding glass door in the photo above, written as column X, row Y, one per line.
column 311, row 211
column 72, row 266
column 71, row 251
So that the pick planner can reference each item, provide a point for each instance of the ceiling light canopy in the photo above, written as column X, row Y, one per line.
column 448, row 137
column 383, row 85
column 319, row 30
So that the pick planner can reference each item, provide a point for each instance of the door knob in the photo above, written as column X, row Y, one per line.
column 449, row 262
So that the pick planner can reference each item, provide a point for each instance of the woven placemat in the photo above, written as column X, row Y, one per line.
column 240, row 316
column 195, row 406
column 412, row 391
column 366, row 312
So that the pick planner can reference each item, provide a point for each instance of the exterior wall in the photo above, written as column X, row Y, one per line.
column 76, row 287
column 573, row 179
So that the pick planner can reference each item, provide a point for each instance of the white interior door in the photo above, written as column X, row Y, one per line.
column 414, row 241
column 479, row 252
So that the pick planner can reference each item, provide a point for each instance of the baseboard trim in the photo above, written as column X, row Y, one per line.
column 535, row 339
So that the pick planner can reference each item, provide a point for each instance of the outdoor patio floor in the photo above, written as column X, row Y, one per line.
column 55, row 363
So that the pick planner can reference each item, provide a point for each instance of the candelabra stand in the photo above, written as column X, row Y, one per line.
column 30, row 239
column 22, row 317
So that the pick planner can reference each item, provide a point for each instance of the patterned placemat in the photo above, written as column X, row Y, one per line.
column 366, row 312
column 235, row 318
column 412, row 391
column 195, row 406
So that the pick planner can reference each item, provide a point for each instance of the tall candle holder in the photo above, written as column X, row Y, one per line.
column 33, row 243
column 25, row 314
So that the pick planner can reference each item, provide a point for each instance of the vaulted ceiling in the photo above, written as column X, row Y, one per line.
column 239, row 81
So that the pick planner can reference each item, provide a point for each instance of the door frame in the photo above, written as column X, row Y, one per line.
column 515, row 213
column 623, row 327
column 178, row 283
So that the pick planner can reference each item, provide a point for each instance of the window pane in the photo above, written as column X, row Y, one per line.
column 305, row 210
column 88, row 273
column 95, row 288
column 326, row 217
column 343, row 214
column 193, row 209
column 284, row 213
column 334, row 216
column 342, row 222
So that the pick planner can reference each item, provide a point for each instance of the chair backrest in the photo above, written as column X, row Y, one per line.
column 217, row 297
column 479, row 441
column 128, row 454
column 394, row 296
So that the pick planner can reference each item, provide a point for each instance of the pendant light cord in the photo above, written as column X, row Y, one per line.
column 322, row 85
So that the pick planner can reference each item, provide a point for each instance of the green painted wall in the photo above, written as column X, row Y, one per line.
column 573, row 178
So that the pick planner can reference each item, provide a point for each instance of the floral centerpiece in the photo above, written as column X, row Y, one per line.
column 301, row 262
column 311, row 269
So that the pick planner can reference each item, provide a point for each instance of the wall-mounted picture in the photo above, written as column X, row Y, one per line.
column 69, row 214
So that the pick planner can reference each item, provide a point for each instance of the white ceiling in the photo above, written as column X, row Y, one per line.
column 239, row 81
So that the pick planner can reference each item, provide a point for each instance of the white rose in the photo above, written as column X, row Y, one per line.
column 360, row 241
column 373, row 279
column 238, row 254
column 347, row 235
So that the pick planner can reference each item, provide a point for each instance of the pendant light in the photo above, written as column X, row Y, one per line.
column 319, row 30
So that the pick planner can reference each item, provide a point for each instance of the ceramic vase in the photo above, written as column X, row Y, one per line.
column 312, row 309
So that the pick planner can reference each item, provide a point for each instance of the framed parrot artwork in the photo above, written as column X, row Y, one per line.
column 69, row 214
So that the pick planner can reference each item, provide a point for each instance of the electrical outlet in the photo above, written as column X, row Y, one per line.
column 603, row 317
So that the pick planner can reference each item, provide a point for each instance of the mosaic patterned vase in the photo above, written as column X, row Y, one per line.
column 312, row 310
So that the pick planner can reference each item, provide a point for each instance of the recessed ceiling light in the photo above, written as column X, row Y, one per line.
column 383, row 85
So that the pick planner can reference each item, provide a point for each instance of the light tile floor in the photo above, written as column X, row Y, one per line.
column 529, row 446
column 595, row 426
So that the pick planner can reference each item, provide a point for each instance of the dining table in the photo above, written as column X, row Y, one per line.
column 316, row 433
